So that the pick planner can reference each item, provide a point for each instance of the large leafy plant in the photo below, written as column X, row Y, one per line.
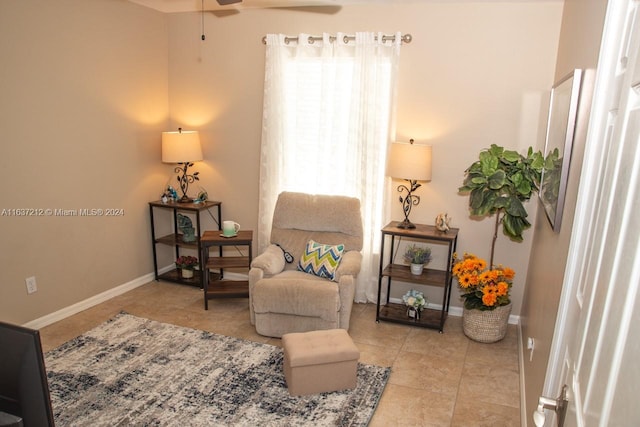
column 498, row 183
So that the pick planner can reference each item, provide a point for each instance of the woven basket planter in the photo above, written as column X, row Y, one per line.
column 486, row 326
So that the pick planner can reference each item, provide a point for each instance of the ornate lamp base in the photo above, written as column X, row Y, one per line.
column 185, row 180
column 185, row 199
column 406, row 224
column 408, row 202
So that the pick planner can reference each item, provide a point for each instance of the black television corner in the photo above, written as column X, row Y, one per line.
column 8, row 420
column 24, row 390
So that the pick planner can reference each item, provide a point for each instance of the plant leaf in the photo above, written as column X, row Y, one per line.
column 511, row 156
column 515, row 207
column 514, row 226
column 524, row 188
column 495, row 150
column 479, row 180
column 483, row 202
column 497, row 180
column 488, row 163
column 537, row 161
column 475, row 199
column 501, row 202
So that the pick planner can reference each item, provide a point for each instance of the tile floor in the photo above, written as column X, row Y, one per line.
column 436, row 380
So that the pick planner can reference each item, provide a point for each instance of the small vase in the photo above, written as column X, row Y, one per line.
column 416, row 269
column 413, row 313
column 187, row 273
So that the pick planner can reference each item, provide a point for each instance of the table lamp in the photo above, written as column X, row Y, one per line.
column 411, row 162
column 182, row 147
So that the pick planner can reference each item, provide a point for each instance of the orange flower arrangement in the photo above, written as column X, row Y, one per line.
column 482, row 288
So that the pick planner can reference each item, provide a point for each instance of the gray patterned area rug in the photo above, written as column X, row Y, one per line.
column 131, row 371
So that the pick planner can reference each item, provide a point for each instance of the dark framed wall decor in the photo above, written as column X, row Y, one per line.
column 561, row 125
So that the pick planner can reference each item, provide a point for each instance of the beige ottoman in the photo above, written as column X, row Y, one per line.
column 319, row 361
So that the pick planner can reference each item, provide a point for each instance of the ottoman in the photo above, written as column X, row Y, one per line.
column 319, row 361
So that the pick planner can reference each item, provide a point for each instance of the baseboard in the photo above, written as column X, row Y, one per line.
column 456, row 311
column 92, row 301
column 126, row 287
column 105, row 296
column 523, row 408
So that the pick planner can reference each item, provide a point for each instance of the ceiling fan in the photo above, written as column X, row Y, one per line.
column 278, row 3
column 231, row 7
column 173, row 6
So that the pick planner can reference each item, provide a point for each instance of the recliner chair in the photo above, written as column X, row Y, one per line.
column 283, row 299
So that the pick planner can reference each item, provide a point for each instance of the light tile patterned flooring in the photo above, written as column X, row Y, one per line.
column 436, row 379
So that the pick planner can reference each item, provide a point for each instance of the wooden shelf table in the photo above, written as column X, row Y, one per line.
column 217, row 286
column 429, row 318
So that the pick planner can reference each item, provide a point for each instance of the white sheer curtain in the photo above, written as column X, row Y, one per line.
column 327, row 122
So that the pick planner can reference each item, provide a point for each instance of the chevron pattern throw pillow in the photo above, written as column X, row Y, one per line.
column 321, row 260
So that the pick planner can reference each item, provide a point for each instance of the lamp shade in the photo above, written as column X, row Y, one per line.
column 181, row 147
column 409, row 161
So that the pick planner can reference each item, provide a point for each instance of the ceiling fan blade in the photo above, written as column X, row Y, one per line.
column 282, row 4
column 223, row 13
column 328, row 10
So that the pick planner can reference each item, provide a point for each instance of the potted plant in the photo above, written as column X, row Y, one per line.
column 485, row 291
column 497, row 183
column 415, row 302
column 187, row 264
column 417, row 256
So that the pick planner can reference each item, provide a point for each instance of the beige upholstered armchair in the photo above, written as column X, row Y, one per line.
column 283, row 299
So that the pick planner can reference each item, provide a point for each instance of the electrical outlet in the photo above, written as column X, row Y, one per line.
column 32, row 286
column 531, row 345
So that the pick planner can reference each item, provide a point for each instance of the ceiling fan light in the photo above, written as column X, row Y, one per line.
column 228, row 2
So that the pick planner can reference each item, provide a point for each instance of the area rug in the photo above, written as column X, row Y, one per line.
column 132, row 371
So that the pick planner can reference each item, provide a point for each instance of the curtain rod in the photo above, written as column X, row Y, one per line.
column 405, row 38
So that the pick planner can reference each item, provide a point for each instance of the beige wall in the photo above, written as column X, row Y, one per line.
column 579, row 46
column 84, row 99
column 475, row 73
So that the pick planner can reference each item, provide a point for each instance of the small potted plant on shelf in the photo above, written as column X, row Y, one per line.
column 417, row 256
column 187, row 264
column 415, row 302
